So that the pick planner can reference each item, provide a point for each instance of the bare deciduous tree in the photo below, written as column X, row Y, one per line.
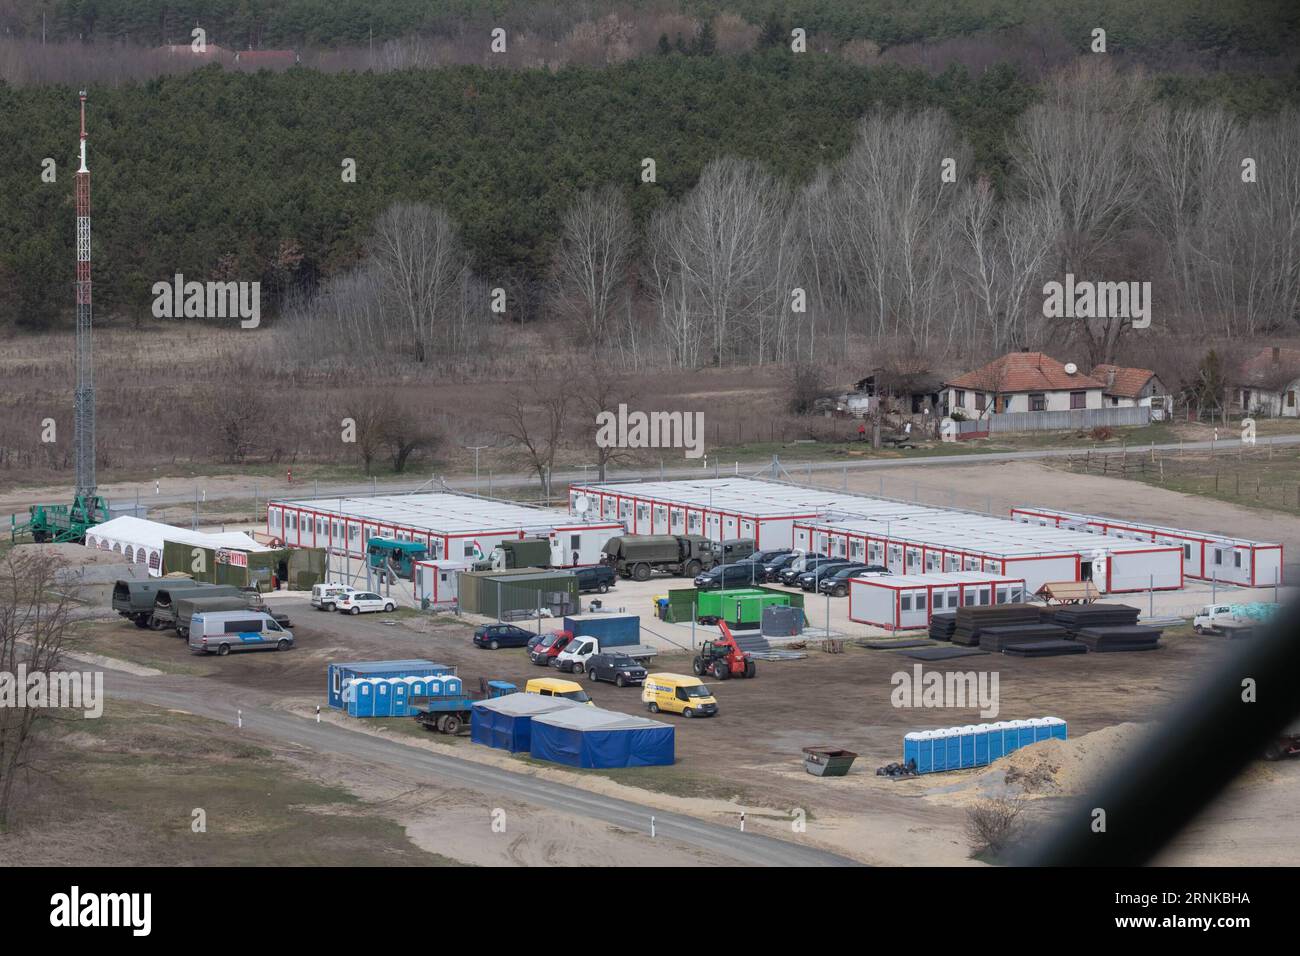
column 536, row 422
column 34, row 633
column 592, row 260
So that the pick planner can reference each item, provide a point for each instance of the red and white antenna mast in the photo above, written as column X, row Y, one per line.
column 84, row 413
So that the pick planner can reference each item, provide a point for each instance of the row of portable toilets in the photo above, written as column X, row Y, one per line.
column 975, row 745
column 394, row 696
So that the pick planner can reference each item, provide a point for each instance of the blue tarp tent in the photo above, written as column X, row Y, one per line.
column 594, row 738
column 505, row 722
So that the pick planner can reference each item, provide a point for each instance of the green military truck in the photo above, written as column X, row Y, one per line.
column 638, row 556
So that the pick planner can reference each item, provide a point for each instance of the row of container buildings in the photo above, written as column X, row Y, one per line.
column 907, row 538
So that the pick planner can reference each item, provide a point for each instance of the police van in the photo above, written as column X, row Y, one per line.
column 220, row 632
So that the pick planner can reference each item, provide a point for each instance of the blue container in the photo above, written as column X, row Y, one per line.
column 336, row 674
column 611, row 630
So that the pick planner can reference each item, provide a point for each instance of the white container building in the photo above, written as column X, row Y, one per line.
column 460, row 528
column 909, row 538
column 1206, row 556
column 906, row 601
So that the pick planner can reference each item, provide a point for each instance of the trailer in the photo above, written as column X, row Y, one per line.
column 1206, row 556
column 447, row 714
column 906, row 602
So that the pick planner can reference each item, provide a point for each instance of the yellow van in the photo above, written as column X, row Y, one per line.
column 554, row 687
column 678, row 694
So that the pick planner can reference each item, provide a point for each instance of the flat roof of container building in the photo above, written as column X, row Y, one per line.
column 1145, row 526
column 747, row 496
column 440, row 512
column 1002, row 539
column 865, row 514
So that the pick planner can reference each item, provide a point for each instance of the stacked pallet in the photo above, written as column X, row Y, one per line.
column 997, row 639
column 1119, row 638
column 942, row 626
column 1075, row 617
column 971, row 620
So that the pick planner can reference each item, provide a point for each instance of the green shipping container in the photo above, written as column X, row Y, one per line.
column 739, row 605
column 300, row 568
column 498, row 593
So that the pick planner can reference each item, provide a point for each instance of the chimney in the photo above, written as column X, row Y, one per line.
column 1277, row 355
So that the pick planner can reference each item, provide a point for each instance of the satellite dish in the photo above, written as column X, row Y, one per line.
column 1071, row 368
column 581, row 504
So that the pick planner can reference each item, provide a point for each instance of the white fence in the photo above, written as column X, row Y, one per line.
column 1072, row 420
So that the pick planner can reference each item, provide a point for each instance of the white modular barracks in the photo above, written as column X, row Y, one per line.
column 909, row 538
column 717, row 508
column 905, row 601
column 453, row 527
column 960, row 541
column 1206, row 556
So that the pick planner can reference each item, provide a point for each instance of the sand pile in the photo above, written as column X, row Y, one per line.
column 1063, row 767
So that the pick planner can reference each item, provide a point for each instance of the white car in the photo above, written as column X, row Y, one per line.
column 325, row 596
column 359, row 601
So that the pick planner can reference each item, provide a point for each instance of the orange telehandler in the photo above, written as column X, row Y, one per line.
column 723, row 658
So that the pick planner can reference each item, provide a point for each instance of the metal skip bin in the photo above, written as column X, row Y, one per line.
column 828, row 761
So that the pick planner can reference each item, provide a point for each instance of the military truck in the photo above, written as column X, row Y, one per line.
column 524, row 553
column 638, row 556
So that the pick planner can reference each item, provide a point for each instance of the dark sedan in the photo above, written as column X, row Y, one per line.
column 493, row 636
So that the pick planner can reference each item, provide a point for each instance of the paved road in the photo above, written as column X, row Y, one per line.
column 263, row 489
column 197, row 697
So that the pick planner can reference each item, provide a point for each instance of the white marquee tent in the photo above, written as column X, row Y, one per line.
column 141, row 542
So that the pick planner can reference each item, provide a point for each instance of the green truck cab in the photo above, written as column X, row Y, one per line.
column 385, row 553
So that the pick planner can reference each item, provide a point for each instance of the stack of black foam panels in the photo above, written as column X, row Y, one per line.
column 972, row 620
column 1045, row 649
column 999, row 638
column 1076, row 617
column 1120, row 638
column 942, row 626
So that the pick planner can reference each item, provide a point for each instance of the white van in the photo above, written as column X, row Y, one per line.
column 220, row 632
column 324, row 597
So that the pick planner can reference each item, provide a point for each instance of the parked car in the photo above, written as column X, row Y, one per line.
column 765, row 557
column 619, row 668
column 836, row 583
column 220, row 632
column 363, row 602
column 810, row 579
column 549, row 647
column 727, row 576
column 678, row 694
column 558, row 687
column 596, row 577
column 772, row 569
column 534, row 641
column 325, row 596
column 493, row 636
column 790, row 575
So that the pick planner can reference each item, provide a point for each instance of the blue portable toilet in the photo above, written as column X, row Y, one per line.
column 1042, row 729
column 981, row 735
column 1056, row 727
column 912, row 748
column 336, row 674
column 363, row 698
column 997, row 737
column 1025, row 733
column 452, row 685
column 398, row 690
column 383, row 697
column 967, row 736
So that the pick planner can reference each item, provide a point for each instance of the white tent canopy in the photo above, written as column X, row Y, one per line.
column 141, row 542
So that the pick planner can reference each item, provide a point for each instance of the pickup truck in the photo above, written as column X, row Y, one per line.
column 573, row 659
column 596, row 577
column 1234, row 619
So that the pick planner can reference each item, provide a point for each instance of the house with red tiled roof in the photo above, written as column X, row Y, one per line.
column 1268, row 383
column 1023, row 382
column 1126, row 387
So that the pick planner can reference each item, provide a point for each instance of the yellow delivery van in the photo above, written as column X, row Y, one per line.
column 678, row 694
column 554, row 687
